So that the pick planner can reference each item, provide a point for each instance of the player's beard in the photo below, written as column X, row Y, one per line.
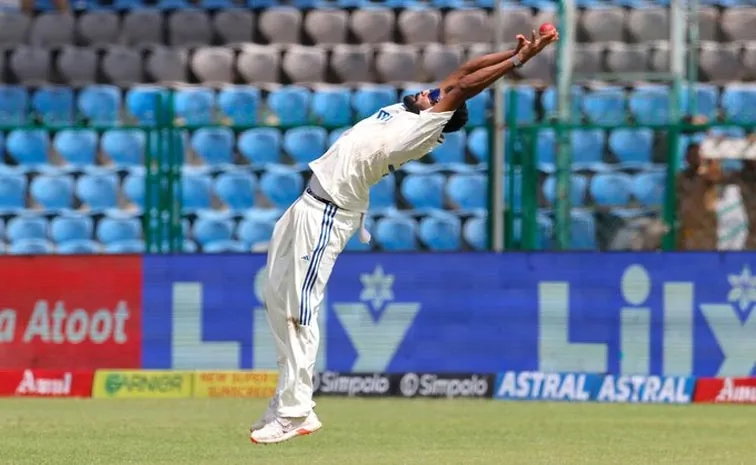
column 409, row 103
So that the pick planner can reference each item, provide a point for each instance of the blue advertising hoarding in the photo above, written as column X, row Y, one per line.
column 676, row 314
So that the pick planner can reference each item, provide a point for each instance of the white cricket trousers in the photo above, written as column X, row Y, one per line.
column 302, row 251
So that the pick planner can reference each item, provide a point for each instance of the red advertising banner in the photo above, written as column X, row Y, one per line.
column 46, row 383
column 725, row 390
column 70, row 312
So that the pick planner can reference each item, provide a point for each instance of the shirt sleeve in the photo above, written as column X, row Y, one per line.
column 413, row 137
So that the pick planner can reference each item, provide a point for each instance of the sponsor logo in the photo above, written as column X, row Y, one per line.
column 142, row 384
column 732, row 324
column 333, row 383
column 45, row 383
column 534, row 385
column 646, row 389
column 726, row 390
column 59, row 312
column 450, row 386
column 581, row 387
column 250, row 384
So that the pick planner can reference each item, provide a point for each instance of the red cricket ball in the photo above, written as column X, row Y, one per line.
column 546, row 28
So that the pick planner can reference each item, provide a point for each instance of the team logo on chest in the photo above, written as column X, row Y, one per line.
column 383, row 115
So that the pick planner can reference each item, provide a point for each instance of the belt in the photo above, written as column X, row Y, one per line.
column 364, row 233
column 319, row 198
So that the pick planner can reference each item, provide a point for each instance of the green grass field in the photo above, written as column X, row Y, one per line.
column 386, row 432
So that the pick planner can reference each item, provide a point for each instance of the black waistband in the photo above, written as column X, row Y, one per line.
column 319, row 198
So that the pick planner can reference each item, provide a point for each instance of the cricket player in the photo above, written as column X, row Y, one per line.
column 315, row 229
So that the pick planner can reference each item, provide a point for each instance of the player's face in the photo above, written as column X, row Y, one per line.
column 427, row 98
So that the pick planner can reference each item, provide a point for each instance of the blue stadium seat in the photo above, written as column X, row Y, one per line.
column 113, row 229
column 441, row 231
column 291, row 104
column 588, row 147
column 468, row 191
column 78, row 147
column 383, row 193
column 281, row 186
column 31, row 247
column 706, row 98
column 121, row 5
column 214, row 145
column 368, row 100
column 582, row 231
column 305, row 143
column 228, row 246
column 194, row 106
column 477, row 109
column 217, row 4
column 12, row 192
column 649, row 188
column 423, row 191
column 452, row 150
column 53, row 192
column 611, row 189
column 332, row 107
column 78, row 247
column 125, row 247
column 525, row 97
column 196, row 191
column 335, row 134
column 98, row 191
column 134, row 188
column 25, row 227
column 55, row 104
column 147, row 103
column 207, row 230
column 355, row 245
column 14, row 105
column 173, row 4
column 236, row 190
column 739, row 103
column 28, row 147
column 252, row 231
column 478, row 144
column 66, row 228
column 578, row 188
column 100, row 104
column 475, row 232
column 240, row 104
column 649, row 104
column 125, row 147
column 261, row 146
column 605, row 105
column 549, row 101
column 396, row 233
column 632, row 147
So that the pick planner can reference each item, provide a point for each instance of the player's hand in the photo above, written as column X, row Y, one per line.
column 527, row 49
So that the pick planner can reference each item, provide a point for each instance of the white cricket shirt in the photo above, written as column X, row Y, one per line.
column 373, row 148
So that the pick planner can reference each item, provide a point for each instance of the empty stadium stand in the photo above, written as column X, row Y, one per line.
column 262, row 87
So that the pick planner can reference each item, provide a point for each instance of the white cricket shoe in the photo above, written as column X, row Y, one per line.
column 283, row 429
column 268, row 416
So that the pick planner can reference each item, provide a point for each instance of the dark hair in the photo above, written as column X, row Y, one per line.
column 457, row 121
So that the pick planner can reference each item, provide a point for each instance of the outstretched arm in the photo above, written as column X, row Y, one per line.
column 475, row 64
column 472, row 83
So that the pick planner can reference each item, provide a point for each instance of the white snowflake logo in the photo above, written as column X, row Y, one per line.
column 377, row 287
column 743, row 289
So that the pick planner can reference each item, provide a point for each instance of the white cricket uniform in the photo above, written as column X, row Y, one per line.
column 316, row 228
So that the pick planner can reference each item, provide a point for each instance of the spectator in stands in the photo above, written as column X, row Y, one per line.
column 697, row 193
column 746, row 181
